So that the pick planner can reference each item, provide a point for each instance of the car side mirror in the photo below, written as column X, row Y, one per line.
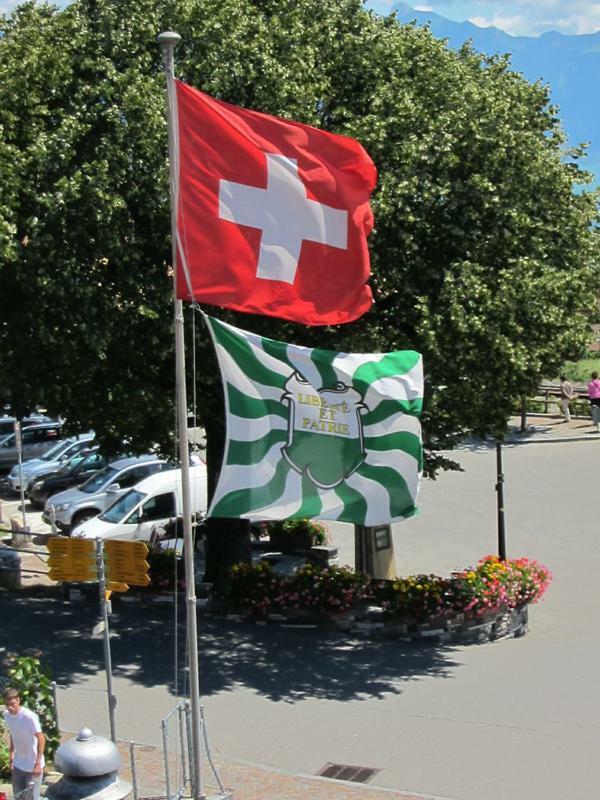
column 143, row 518
column 114, row 487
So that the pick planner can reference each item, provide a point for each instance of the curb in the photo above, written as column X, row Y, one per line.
column 541, row 439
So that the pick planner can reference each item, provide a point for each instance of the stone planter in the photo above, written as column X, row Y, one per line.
column 372, row 622
column 287, row 543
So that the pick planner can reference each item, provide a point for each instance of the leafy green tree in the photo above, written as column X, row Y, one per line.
column 484, row 254
column 34, row 683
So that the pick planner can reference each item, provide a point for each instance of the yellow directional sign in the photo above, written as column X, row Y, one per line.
column 123, row 549
column 134, row 578
column 58, row 545
column 115, row 586
column 59, row 573
column 126, row 561
column 71, row 559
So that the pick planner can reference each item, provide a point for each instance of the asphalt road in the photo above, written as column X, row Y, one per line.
column 516, row 719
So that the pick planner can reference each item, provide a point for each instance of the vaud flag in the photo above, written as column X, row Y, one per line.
column 315, row 433
column 273, row 216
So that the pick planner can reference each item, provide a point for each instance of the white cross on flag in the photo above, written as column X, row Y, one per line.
column 273, row 216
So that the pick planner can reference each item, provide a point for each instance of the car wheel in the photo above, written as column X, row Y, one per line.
column 40, row 501
column 83, row 516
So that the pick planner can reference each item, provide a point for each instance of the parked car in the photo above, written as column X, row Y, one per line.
column 73, row 472
column 75, row 505
column 144, row 510
column 52, row 460
column 7, row 424
column 35, row 441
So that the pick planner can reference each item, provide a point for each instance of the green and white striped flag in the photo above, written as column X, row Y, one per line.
column 315, row 433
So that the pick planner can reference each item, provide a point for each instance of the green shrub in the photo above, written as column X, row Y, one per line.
column 34, row 684
column 300, row 527
column 4, row 753
column 490, row 586
column 165, row 570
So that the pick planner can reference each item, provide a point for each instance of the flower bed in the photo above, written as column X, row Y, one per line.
column 486, row 602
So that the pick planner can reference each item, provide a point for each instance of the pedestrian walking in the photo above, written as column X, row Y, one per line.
column 594, row 394
column 27, row 743
column 566, row 395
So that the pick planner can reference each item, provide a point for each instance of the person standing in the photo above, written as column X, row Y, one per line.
column 594, row 394
column 566, row 395
column 27, row 743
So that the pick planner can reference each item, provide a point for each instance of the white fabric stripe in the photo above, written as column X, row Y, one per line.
column 255, row 341
column 249, row 430
column 346, row 364
column 302, row 361
column 408, row 386
column 400, row 461
column 396, row 423
column 288, row 504
column 250, row 476
column 377, row 497
column 233, row 374
column 332, row 505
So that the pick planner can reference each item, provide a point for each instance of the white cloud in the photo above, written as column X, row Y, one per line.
column 525, row 17
column 423, row 8
column 516, row 26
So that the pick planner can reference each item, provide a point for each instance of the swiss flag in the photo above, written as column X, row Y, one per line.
column 273, row 216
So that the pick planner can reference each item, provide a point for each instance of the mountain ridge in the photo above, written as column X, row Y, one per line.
column 569, row 64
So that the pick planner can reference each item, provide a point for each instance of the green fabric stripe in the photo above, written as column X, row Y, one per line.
column 242, row 352
column 401, row 440
column 401, row 502
column 251, row 407
column 387, row 408
column 311, row 502
column 323, row 360
column 355, row 505
column 391, row 364
column 278, row 350
column 252, row 452
column 244, row 501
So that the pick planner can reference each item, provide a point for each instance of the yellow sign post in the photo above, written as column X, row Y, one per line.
column 126, row 562
column 72, row 560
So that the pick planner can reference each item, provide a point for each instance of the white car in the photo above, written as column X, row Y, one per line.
column 73, row 506
column 147, row 508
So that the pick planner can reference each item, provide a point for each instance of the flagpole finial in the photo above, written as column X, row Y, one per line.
column 168, row 39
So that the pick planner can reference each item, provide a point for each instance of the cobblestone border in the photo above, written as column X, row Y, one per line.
column 457, row 629
column 371, row 622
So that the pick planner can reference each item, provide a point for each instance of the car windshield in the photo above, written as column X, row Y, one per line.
column 122, row 506
column 97, row 482
column 71, row 463
column 57, row 450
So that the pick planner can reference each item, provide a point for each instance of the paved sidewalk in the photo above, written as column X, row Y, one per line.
column 244, row 781
column 551, row 428
column 253, row 782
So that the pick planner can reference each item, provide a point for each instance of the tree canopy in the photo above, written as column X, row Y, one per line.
column 484, row 254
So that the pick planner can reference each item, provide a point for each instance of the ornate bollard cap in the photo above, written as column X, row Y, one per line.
column 87, row 756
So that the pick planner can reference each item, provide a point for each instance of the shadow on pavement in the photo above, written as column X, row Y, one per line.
column 281, row 664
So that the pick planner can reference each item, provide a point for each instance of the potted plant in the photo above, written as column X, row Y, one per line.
column 291, row 535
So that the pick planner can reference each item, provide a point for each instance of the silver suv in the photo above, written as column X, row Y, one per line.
column 74, row 506
column 35, row 441
column 50, row 461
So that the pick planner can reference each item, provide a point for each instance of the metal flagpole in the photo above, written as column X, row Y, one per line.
column 500, row 493
column 168, row 41
column 104, row 629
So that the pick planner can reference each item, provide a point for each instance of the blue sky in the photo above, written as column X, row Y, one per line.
column 517, row 17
